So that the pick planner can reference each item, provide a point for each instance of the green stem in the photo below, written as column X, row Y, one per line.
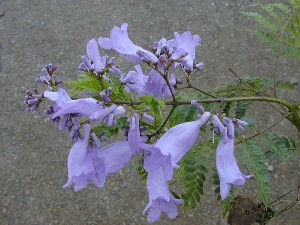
column 293, row 117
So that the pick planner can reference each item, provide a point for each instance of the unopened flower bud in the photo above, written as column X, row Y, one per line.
column 148, row 117
column 197, row 105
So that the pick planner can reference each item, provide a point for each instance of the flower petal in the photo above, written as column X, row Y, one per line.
column 180, row 138
column 227, row 167
column 134, row 135
column 120, row 42
column 110, row 159
column 85, row 106
column 156, row 86
column 80, row 164
column 160, row 197
column 100, row 114
column 94, row 55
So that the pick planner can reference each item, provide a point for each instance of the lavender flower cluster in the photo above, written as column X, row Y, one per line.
column 90, row 161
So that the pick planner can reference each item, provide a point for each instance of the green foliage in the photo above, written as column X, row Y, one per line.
column 183, row 113
column 93, row 84
column 156, row 106
column 119, row 92
column 284, row 84
column 278, row 147
column 254, row 158
column 191, row 173
column 141, row 171
column 88, row 82
column 282, row 27
column 249, row 86
column 240, row 109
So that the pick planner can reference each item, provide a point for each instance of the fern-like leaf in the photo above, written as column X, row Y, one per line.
column 192, row 174
column 240, row 109
column 267, row 38
column 88, row 83
column 278, row 147
column 271, row 10
column 284, row 8
column 183, row 113
column 254, row 159
column 262, row 20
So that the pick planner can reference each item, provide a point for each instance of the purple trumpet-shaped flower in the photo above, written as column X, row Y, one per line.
column 228, row 170
column 65, row 105
column 85, row 107
column 88, row 107
column 160, row 160
column 180, row 138
column 114, row 157
column 60, row 98
column 134, row 80
column 110, row 159
column 188, row 42
column 160, row 197
column 120, row 42
column 80, row 164
column 93, row 53
column 156, row 86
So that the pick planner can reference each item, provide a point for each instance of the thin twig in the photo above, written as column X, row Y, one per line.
column 263, row 131
column 165, row 122
column 255, row 91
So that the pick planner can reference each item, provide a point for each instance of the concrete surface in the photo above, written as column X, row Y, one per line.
column 34, row 152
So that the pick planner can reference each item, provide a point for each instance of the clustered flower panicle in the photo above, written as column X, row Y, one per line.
column 91, row 160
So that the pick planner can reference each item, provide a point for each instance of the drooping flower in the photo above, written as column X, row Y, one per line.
column 113, row 157
column 89, row 107
column 180, row 138
column 120, row 42
column 160, row 197
column 110, row 159
column 80, row 164
column 228, row 170
column 86, row 107
column 161, row 159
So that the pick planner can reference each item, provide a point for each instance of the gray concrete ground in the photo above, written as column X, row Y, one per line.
column 34, row 152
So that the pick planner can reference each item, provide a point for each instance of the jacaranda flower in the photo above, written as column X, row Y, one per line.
column 156, row 86
column 59, row 97
column 134, row 80
column 114, row 157
column 188, row 42
column 120, row 42
column 93, row 53
column 179, row 139
column 160, row 197
column 110, row 159
column 160, row 160
column 65, row 105
column 80, row 163
column 228, row 170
